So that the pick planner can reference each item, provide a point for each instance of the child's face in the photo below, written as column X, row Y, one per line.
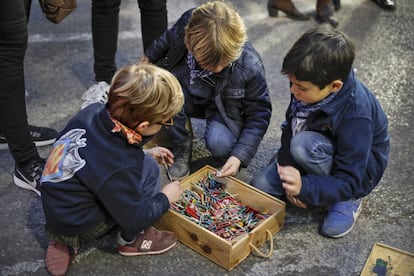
column 308, row 92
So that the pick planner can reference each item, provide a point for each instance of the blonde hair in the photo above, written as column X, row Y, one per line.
column 215, row 34
column 144, row 92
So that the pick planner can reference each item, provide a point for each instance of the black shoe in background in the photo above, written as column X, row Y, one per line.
column 386, row 4
column 41, row 136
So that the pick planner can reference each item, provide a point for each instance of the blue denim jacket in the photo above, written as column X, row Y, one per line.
column 358, row 127
column 240, row 94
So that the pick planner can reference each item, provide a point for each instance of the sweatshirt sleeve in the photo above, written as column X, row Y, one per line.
column 131, row 201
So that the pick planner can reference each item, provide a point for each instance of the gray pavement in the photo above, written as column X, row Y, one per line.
column 59, row 68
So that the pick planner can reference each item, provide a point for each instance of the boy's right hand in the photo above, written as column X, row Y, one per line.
column 173, row 191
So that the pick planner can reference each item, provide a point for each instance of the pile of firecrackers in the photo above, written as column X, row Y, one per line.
column 209, row 205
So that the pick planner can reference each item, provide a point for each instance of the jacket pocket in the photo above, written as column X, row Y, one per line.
column 232, row 100
column 370, row 179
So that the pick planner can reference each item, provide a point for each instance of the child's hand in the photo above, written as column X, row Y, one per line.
column 292, row 183
column 231, row 167
column 156, row 153
column 173, row 191
column 296, row 201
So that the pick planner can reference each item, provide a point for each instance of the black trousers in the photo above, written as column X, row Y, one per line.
column 13, row 116
column 105, row 23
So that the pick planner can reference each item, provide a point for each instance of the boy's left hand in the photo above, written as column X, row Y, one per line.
column 292, row 183
column 230, row 168
column 156, row 153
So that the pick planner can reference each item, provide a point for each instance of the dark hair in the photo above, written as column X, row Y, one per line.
column 321, row 55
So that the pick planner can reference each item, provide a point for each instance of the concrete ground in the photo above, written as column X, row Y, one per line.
column 59, row 68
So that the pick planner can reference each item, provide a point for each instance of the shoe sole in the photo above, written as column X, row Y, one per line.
column 5, row 146
column 20, row 183
column 356, row 214
column 58, row 258
column 130, row 254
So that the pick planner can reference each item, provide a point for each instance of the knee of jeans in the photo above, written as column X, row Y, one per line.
column 262, row 183
column 300, row 148
column 311, row 147
column 218, row 148
column 219, row 145
column 299, row 154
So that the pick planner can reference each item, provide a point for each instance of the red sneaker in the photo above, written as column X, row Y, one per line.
column 151, row 242
column 58, row 258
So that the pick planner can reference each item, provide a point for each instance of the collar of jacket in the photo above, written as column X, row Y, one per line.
column 347, row 90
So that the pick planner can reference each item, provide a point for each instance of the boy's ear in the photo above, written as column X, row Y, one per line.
column 336, row 85
column 142, row 125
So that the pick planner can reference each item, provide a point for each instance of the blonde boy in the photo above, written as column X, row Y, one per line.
column 223, row 80
column 98, row 176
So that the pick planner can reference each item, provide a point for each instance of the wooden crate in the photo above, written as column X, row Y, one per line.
column 388, row 260
column 225, row 253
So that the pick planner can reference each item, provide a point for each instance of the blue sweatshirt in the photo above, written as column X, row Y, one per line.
column 94, row 175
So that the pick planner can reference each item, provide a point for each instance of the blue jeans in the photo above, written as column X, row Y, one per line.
column 219, row 139
column 311, row 150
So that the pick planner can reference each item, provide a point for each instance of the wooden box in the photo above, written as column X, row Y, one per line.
column 388, row 260
column 225, row 253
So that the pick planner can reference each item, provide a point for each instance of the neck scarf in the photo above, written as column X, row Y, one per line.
column 195, row 73
column 301, row 111
column 132, row 136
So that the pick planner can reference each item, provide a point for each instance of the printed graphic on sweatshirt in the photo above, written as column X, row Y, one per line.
column 64, row 160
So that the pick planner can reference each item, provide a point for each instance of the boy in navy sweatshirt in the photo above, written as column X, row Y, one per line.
column 335, row 142
column 98, row 176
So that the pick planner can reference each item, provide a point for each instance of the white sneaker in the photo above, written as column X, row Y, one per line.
column 96, row 93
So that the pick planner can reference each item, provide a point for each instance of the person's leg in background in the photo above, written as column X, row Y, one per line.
column 41, row 136
column 286, row 6
column 105, row 24
column 13, row 115
column 154, row 20
column 325, row 10
column 105, row 28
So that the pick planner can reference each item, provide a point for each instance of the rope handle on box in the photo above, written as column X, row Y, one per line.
column 260, row 253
